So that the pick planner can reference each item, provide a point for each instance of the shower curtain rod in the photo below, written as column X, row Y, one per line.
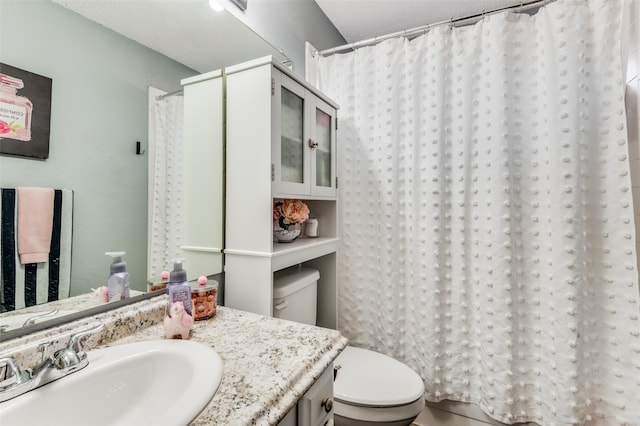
column 166, row 95
column 424, row 28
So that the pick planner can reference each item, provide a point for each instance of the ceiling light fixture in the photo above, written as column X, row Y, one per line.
column 216, row 6
column 242, row 4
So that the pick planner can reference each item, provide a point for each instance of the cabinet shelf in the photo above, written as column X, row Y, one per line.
column 301, row 250
column 289, row 254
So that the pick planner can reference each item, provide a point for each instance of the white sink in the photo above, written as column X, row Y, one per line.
column 156, row 382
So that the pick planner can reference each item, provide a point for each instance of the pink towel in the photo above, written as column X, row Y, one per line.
column 35, row 221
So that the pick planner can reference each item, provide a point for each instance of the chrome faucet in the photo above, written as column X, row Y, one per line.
column 15, row 382
column 32, row 320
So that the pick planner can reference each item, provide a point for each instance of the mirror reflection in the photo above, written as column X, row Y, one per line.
column 99, row 144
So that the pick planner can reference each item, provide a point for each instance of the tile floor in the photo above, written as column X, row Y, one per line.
column 451, row 413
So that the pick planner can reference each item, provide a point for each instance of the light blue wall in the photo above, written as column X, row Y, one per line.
column 99, row 111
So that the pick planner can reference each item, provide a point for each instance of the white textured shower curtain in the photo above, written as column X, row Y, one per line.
column 487, row 234
column 165, row 182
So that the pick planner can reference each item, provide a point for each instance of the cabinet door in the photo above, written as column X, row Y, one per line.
column 291, row 154
column 316, row 405
column 323, row 147
column 203, row 133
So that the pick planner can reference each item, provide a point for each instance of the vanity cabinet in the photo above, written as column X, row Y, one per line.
column 280, row 143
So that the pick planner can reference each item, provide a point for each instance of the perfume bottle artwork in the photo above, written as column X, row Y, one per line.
column 15, row 110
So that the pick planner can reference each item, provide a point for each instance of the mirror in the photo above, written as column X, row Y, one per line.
column 99, row 104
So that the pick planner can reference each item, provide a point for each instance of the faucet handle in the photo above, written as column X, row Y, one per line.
column 66, row 358
column 10, row 374
column 75, row 343
column 32, row 320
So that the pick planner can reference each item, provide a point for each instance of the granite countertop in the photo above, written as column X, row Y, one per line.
column 75, row 303
column 65, row 306
column 268, row 364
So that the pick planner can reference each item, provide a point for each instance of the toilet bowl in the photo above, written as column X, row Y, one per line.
column 373, row 388
column 370, row 388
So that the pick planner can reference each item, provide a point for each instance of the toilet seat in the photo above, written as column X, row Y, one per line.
column 372, row 379
column 379, row 414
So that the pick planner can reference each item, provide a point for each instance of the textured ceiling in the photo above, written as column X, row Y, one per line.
column 364, row 19
column 189, row 32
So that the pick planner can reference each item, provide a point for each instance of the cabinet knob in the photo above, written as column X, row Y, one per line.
column 313, row 144
column 327, row 404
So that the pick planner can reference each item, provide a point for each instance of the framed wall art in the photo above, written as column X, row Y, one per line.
column 25, row 113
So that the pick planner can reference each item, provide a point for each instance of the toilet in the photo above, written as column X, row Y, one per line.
column 370, row 388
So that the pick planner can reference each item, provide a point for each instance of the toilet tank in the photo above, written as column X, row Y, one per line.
column 295, row 294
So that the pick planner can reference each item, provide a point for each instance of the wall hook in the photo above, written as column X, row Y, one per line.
column 139, row 150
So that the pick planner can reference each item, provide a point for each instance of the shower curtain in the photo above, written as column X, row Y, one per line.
column 165, row 182
column 487, row 234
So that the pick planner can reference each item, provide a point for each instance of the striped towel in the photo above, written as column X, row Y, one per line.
column 34, row 283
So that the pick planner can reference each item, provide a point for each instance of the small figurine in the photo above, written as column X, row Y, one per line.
column 101, row 294
column 178, row 322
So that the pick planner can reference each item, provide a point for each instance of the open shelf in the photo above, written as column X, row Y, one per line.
column 301, row 250
column 289, row 254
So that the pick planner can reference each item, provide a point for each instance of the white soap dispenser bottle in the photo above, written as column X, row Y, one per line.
column 118, row 281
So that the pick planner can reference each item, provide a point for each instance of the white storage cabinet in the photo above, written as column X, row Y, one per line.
column 280, row 143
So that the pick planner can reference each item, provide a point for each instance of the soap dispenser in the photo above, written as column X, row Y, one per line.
column 178, row 287
column 179, row 317
column 118, row 281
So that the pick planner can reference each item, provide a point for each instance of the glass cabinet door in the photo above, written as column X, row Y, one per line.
column 304, row 148
column 324, row 149
column 292, row 137
column 291, row 156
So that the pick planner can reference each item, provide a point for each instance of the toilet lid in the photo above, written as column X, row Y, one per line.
column 374, row 379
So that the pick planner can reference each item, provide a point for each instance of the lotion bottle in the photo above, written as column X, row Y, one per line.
column 118, row 281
